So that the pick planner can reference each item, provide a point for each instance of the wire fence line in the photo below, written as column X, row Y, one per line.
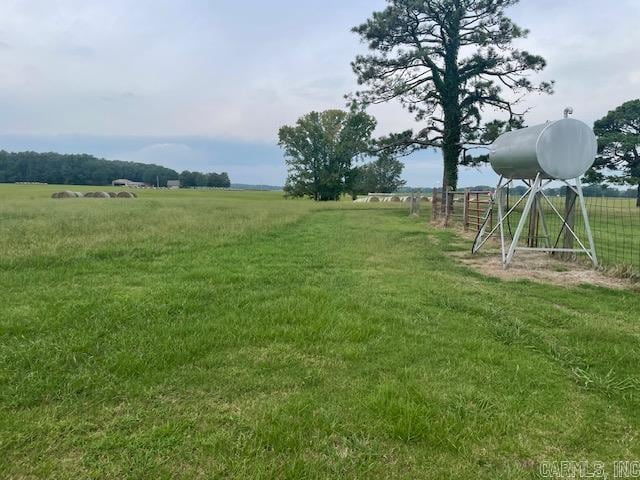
column 614, row 221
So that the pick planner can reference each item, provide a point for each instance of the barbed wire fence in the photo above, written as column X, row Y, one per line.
column 615, row 222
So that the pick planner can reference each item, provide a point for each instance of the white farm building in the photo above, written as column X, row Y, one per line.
column 123, row 182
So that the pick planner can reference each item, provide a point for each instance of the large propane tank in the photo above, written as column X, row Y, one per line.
column 562, row 149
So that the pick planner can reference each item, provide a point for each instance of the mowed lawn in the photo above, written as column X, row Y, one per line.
column 189, row 334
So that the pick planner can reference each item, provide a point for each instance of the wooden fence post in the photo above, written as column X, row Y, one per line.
column 491, row 219
column 414, row 205
column 478, row 218
column 465, row 209
column 434, row 205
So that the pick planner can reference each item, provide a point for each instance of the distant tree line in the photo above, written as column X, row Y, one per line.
column 82, row 169
column 198, row 179
column 587, row 190
column 595, row 191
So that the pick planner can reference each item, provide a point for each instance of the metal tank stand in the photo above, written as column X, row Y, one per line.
column 535, row 191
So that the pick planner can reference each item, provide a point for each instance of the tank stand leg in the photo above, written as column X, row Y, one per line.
column 535, row 187
column 587, row 225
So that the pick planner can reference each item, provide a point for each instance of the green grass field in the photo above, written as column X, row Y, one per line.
column 193, row 334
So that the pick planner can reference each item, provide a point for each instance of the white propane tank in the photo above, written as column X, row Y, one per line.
column 562, row 149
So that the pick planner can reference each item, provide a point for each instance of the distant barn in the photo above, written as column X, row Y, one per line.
column 173, row 183
column 123, row 182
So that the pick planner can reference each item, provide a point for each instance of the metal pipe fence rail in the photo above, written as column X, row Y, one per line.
column 615, row 222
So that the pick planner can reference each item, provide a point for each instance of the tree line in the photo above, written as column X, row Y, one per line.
column 198, row 179
column 83, row 169
column 587, row 191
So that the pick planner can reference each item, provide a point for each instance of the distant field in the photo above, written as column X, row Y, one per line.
column 205, row 334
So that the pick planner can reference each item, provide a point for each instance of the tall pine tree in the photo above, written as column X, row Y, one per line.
column 446, row 61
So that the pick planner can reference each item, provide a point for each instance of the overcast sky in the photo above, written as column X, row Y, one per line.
column 197, row 84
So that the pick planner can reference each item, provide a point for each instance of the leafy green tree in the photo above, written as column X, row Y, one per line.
column 361, row 181
column 382, row 175
column 618, row 147
column 446, row 61
column 320, row 149
column 294, row 188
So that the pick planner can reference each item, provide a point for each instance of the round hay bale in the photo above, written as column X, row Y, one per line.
column 112, row 194
column 101, row 195
column 125, row 195
column 66, row 194
column 373, row 199
column 395, row 199
column 425, row 199
column 89, row 194
column 134, row 194
column 55, row 194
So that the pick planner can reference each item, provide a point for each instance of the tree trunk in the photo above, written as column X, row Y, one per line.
column 638, row 196
column 450, row 97
column 443, row 192
column 451, row 153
